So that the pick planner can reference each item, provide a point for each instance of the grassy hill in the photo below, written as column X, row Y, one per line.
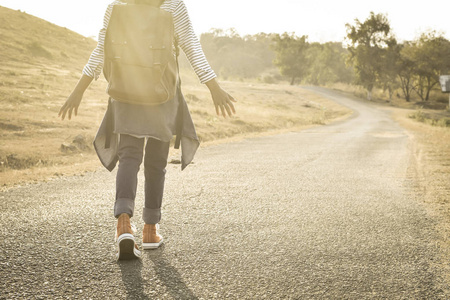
column 41, row 64
column 30, row 40
column 39, row 60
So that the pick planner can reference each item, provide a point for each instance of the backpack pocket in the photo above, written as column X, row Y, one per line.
column 138, row 84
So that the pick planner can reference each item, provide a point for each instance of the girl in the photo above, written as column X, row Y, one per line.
column 149, row 127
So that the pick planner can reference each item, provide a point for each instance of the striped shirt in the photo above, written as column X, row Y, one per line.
column 184, row 33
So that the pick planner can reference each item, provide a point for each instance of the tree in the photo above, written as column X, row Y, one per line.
column 327, row 64
column 405, row 69
column 317, row 73
column 431, row 56
column 387, row 78
column 366, row 50
column 234, row 56
column 291, row 55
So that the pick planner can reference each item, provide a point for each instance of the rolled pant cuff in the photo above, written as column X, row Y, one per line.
column 124, row 206
column 151, row 216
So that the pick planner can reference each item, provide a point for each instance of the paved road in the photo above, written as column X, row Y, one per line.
column 329, row 212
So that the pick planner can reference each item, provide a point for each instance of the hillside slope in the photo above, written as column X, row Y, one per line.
column 25, row 39
column 41, row 63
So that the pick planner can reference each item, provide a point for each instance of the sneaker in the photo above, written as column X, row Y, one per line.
column 126, row 245
column 151, row 239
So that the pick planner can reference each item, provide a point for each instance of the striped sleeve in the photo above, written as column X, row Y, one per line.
column 190, row 44
column 94, row 66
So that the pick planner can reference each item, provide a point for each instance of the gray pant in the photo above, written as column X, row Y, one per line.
column 155, row 161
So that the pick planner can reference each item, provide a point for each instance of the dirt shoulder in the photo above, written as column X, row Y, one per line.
column 431, row 150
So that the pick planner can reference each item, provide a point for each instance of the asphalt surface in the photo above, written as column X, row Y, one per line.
column 331, row 212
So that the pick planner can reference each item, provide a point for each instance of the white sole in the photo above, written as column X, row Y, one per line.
column 151, row 246
column 126, row 249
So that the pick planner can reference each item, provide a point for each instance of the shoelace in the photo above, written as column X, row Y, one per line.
column 133, row 228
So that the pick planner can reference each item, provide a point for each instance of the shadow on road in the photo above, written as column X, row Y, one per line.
column 167, row 274
column 132, row 278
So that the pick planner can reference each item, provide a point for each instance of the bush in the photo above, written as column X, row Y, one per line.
column 269, row 79
column 418, row 116
column 444, row 122
column 442, row 98
column 14, row 162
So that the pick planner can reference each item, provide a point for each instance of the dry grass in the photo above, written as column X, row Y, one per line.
column 432, row 117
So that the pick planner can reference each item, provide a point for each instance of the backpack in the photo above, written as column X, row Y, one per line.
column 140, row 62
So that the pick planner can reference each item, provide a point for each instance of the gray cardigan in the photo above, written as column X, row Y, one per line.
column 158, row 122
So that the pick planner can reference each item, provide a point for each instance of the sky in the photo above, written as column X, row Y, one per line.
column 322, row 20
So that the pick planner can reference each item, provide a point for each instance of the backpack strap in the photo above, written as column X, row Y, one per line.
column 180, row 117
column 180, row 113
column 109, row 124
